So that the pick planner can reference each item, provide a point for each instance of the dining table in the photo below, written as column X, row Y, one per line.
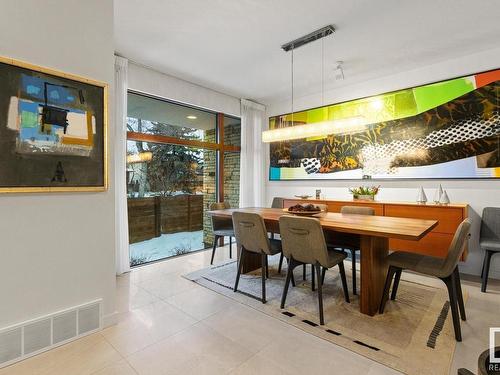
column 374, row 233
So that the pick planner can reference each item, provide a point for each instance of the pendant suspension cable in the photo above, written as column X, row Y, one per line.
column 322, row 72
column 292, row 83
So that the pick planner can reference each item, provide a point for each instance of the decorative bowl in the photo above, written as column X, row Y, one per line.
column 303, row 213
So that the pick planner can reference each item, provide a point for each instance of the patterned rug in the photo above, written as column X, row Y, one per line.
column 414, row 335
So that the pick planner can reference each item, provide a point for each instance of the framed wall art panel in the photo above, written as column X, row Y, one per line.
column 448, row 129
column 53, row 130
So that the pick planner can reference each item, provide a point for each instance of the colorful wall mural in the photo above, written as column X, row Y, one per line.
column 449, row 129
column 52, row 130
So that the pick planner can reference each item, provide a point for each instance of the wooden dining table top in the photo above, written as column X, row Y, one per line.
column 376, row 226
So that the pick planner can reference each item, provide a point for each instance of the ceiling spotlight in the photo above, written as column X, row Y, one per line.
column 339, row 71
column 191, row 117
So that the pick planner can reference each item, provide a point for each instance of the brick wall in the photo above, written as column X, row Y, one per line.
column 232, row 135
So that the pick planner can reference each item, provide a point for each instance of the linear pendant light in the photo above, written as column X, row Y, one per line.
column 342, row 126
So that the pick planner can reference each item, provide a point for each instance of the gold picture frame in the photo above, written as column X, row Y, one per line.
column 103, row 182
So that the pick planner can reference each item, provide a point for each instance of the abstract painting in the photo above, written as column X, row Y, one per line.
column 448, row 129
column 52, row 130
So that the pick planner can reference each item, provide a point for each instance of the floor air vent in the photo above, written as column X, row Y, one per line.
column 35, row 336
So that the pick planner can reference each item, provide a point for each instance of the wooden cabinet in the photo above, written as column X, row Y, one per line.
column 435, row 243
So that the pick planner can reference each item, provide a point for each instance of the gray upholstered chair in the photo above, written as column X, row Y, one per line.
column 322, row 207
column 489, row 240
column 277, row 202
column 222, row 227
column 352, row 242
column 251, row 237
column 303, row 242
column 445, row 269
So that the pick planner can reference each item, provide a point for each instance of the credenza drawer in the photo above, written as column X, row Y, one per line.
column 448, row 219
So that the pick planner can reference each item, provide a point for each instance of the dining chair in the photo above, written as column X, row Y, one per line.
column 322, row 207
column 445, row 269
column 352, row 242
column 221, row 227
column 277, row 202
column 303, row 242
column 489, row 240
column 251, row 236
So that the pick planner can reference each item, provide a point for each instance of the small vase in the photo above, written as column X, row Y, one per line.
column 421, row 197
column 444, row 198
column 438, row 193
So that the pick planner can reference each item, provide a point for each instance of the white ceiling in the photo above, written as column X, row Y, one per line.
column 233, row 46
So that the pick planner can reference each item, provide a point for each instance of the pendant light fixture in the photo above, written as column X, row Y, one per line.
column 341, row 126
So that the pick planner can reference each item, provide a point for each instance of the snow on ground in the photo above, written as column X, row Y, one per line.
column 167, row 245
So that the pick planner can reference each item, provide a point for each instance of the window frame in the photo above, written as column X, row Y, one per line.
column 219, row 146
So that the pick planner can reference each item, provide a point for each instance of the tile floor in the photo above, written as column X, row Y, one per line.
column 168, row 325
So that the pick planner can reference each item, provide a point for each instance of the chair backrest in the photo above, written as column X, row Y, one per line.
column 302, row 238
column 457, row 247
column 277, row 202
column 357, row 210
column 490, row 224
column 218, row 222
column 250, row 232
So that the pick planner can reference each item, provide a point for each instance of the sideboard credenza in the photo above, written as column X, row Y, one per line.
column 435, row 243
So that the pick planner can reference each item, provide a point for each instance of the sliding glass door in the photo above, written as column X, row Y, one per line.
column 177, row 165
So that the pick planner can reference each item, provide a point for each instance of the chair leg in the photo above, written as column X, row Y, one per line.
column 304, row 272
column 353, row 261
column 216, row 238
column 263, row 259
column 320, row 294
column 280, row 264
column 240, row 267
column 313, row 281
column 293, row 278
column 344, row 281
column 396, row 283
column 289, row 276
column 385, row 294
column 323, row 274
column 267, row 267
column 230, row 247
column 450, row 285
column 460, row 296
column 486, row 269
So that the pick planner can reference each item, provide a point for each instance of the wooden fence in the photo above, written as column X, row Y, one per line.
column 153, row 216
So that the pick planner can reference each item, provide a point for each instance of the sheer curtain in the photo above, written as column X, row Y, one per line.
column 121, row 219
column 252, row 172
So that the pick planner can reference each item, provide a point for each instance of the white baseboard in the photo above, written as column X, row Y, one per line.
column 110, row 320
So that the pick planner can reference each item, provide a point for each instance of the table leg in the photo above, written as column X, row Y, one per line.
column 374, row 251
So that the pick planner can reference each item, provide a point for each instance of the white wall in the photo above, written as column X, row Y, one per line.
column 152, row 82
column 478, row 193
column 57, row 250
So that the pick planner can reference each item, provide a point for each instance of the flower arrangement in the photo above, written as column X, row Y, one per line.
column 364, row 192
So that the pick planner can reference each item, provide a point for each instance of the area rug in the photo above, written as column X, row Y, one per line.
column 414, row 335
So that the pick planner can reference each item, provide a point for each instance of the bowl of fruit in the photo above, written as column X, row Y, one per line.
column 304, row 210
